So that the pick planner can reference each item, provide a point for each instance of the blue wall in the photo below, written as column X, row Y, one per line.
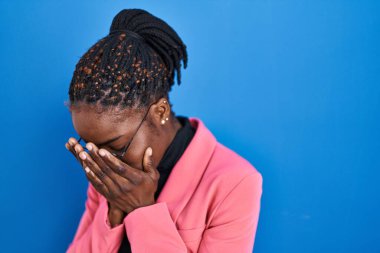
column 293, row 86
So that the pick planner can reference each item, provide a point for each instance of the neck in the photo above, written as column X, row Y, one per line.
column 173, row 125
column 171, row 128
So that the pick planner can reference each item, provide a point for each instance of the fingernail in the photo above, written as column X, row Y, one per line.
column 89, row 147
column 71, row 141
column 82, row 155
column 87, row 170
column 102, row 153
column 67, row 146
column 150, row 151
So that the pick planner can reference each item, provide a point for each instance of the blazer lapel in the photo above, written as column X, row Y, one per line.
column 188, row 171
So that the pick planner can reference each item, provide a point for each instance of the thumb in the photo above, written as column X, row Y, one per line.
column 148, row 161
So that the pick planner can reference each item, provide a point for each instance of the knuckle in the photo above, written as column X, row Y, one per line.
column 106, row 169
column 101, row 174
column 125, row 187
column 150, row 162
column 139, row 178
column 120, row 169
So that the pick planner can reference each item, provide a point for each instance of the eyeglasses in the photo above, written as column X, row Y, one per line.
column 120, row 154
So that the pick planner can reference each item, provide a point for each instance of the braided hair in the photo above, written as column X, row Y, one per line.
column 132, row 66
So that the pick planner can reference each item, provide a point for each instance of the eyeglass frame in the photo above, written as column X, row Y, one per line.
column 128, row 144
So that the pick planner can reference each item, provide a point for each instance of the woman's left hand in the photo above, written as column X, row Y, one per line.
column 123, row 186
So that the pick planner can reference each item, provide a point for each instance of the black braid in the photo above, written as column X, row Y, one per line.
column 121, row 70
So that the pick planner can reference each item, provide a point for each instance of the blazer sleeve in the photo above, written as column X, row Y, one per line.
column 151, row 228
column 94, row 233
column 232, row 229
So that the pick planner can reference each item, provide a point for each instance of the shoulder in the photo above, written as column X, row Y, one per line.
column 231, row 179
column 229, row 175
column 226, row 164
column 226, row 168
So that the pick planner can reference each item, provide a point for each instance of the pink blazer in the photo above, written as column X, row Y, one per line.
column 210, row 203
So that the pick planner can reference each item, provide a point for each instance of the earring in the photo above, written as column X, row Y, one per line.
column 164, row 101
column 167, row 119
column 162, row 122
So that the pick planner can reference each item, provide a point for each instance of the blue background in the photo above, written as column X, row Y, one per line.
column 293, row 86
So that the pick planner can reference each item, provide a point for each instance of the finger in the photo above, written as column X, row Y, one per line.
column 100, row 174
column 78, row 149
column 73, row 142
column 96, row 182
column 93, row 151
column 148, row 164
column 73, row 152
column 119, row 167
column 68, row 147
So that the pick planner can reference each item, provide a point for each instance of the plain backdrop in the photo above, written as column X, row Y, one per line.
column 292, row 86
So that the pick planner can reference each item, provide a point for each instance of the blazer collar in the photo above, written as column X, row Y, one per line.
column 187, row 172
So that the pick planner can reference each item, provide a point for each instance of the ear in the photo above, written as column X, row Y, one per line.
column 162, row 111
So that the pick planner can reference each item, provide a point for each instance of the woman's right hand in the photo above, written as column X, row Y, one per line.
column 70, row 146
column 115, row 215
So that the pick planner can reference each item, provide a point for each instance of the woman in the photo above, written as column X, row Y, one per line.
column 157, row 182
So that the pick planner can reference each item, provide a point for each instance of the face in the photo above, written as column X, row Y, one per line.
column 100, row 128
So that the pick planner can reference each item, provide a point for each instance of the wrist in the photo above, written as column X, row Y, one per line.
column 115, row 219
column 115, row 216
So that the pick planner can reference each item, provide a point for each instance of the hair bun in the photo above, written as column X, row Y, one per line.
column 125, row 20
column 156, row 33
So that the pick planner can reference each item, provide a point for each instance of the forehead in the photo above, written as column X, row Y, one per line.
column 99, row 127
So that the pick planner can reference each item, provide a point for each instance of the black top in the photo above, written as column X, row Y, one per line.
column 172, row 154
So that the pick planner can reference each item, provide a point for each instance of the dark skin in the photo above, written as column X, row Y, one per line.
column 128, row 182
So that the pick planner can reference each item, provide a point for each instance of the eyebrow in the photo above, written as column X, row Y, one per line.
column 106, row 142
